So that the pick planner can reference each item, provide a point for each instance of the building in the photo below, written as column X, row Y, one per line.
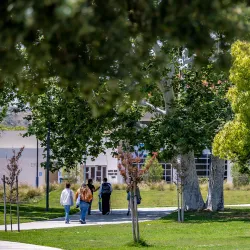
column 30, row 162
column 103, row 166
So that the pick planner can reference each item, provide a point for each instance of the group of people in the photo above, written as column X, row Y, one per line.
column 84, row 197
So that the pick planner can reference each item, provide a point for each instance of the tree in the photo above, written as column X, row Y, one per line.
column 128, row 167
column 13, row 172
column 155, row 171
column 74, row 132
column 83, row 42
column 232, row 141
column 194, row 109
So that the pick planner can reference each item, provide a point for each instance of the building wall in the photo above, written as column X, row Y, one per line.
column 103, row 166
column 12, row 140
column 103, row 161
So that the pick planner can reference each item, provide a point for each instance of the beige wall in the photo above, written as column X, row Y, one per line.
column 10, row 140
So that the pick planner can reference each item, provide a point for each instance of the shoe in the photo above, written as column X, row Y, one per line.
column 107, row 213
column 66, row 222
column 128, row 213
column 82, row 222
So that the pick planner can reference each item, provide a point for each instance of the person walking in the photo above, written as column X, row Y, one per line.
column 66, row 200
column 105, row 193
column 83, row 197
column 92, row 189
column 137, row 196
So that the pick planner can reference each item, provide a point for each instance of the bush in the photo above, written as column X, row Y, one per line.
column 160, row 186
column 203, row 180
column 172, row 187
column 239, row 179
column 119, row 186
column 155, row 171
column 54, row 186
column 228, row 186
column 33, row 192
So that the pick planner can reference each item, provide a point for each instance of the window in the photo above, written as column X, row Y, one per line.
column 96, row 173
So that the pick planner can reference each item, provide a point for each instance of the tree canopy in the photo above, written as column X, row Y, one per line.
column 87, row 44
column 232, row 141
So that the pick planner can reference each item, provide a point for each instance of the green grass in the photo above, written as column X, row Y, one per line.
column 35, row 211
column 202, row 230
column 150, row 198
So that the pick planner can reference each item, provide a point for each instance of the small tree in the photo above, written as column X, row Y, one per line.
column 13, row 172
column 128, row 166
column 155, row 171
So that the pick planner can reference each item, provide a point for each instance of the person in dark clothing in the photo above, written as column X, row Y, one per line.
column 104, row 193
column 92, row 189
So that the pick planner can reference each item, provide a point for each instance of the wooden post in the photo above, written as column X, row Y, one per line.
column 4, row 206
column 17, row 205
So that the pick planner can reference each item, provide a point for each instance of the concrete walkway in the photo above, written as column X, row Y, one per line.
column 117, row 216
column 5, row 245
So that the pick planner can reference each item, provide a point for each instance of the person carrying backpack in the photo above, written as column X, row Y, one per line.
column 105, row 193
column 83, row 197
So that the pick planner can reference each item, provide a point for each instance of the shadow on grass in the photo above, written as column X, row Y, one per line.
column 228, row 215
column 30, row 212
column 141, row 243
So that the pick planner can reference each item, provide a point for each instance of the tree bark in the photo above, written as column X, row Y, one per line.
column 191, row 190
column 215, row 197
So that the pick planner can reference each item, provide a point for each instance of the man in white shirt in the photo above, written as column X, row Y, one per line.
column 66, row 200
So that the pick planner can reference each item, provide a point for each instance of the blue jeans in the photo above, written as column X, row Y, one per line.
column 89, row 209
column 67, row 209
column 84, row 208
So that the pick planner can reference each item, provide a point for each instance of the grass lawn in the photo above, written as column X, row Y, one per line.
column 202, row 230
column 35, row 211
column 150, row 198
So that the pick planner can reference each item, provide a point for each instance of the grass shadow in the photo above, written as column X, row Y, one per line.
column 30, row 212
column 141, row 243
column 228, row 215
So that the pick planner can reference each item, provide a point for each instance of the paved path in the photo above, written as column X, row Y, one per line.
column 117, row 216
column 5, row 245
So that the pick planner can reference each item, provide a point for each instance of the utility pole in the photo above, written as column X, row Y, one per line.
column 47, row 168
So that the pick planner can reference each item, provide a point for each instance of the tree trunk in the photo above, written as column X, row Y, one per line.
column 132, row 216
column 136, row 214
column 191, row 190
column 215, row 197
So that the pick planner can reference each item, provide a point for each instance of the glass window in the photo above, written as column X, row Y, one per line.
column 104, row 172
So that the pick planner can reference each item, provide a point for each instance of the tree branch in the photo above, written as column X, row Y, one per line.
column 145, row 103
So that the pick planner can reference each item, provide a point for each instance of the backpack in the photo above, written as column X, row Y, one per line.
column 106, row 188
column 86, row 195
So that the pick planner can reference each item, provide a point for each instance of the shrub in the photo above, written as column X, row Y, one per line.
column 119, row 186
column 33, row 192
column 239, row 179
column 160, row 186
column 155, row 171
column 203, row 180
column 172, row 187
column 54, row 186
column 228, row 186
